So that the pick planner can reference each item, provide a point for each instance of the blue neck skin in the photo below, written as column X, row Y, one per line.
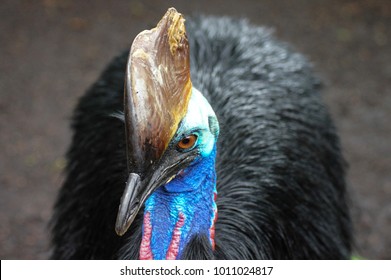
column 181, row 209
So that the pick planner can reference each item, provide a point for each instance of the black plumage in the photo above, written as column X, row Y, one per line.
column 280, row 173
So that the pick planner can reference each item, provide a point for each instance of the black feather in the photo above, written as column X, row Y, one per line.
column 199, row 248
column 280, row 173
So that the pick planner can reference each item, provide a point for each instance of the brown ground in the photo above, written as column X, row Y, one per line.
column 52, row 50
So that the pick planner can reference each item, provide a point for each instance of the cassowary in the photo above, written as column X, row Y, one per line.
column 241, row 161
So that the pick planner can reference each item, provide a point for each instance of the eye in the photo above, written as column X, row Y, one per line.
column 187, row 142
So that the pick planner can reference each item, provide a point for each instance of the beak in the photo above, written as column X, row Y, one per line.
column 129, row 204
column 137, row 190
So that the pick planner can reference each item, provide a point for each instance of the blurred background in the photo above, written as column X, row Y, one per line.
column 51, row 51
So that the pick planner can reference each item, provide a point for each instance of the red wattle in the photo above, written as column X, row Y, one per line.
column 173, row 249
column 145, row 248
column 212, row 228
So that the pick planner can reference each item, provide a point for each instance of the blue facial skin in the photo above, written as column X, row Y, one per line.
column 191, row 193
column 189, row 196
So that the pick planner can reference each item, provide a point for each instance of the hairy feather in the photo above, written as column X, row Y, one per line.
column 280, row 173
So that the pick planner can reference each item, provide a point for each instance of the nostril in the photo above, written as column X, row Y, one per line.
column 133, row 206
column 136, row 202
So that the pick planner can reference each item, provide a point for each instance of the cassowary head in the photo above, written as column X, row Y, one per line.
column 171, row 134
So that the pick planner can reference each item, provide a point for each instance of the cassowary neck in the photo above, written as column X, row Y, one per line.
column 180, row 210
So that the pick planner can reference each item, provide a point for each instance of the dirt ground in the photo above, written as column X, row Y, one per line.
column 52, row 50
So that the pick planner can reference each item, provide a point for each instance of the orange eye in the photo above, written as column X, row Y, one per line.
column 187, row 142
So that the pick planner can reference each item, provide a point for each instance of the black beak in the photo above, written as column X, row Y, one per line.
column 137, row 190
column 129, row 205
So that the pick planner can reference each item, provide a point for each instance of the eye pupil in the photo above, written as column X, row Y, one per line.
column 187, row 142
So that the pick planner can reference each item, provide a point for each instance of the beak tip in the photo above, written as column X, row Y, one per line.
column 119, row 231
column 122, row 225
column 129, row 205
